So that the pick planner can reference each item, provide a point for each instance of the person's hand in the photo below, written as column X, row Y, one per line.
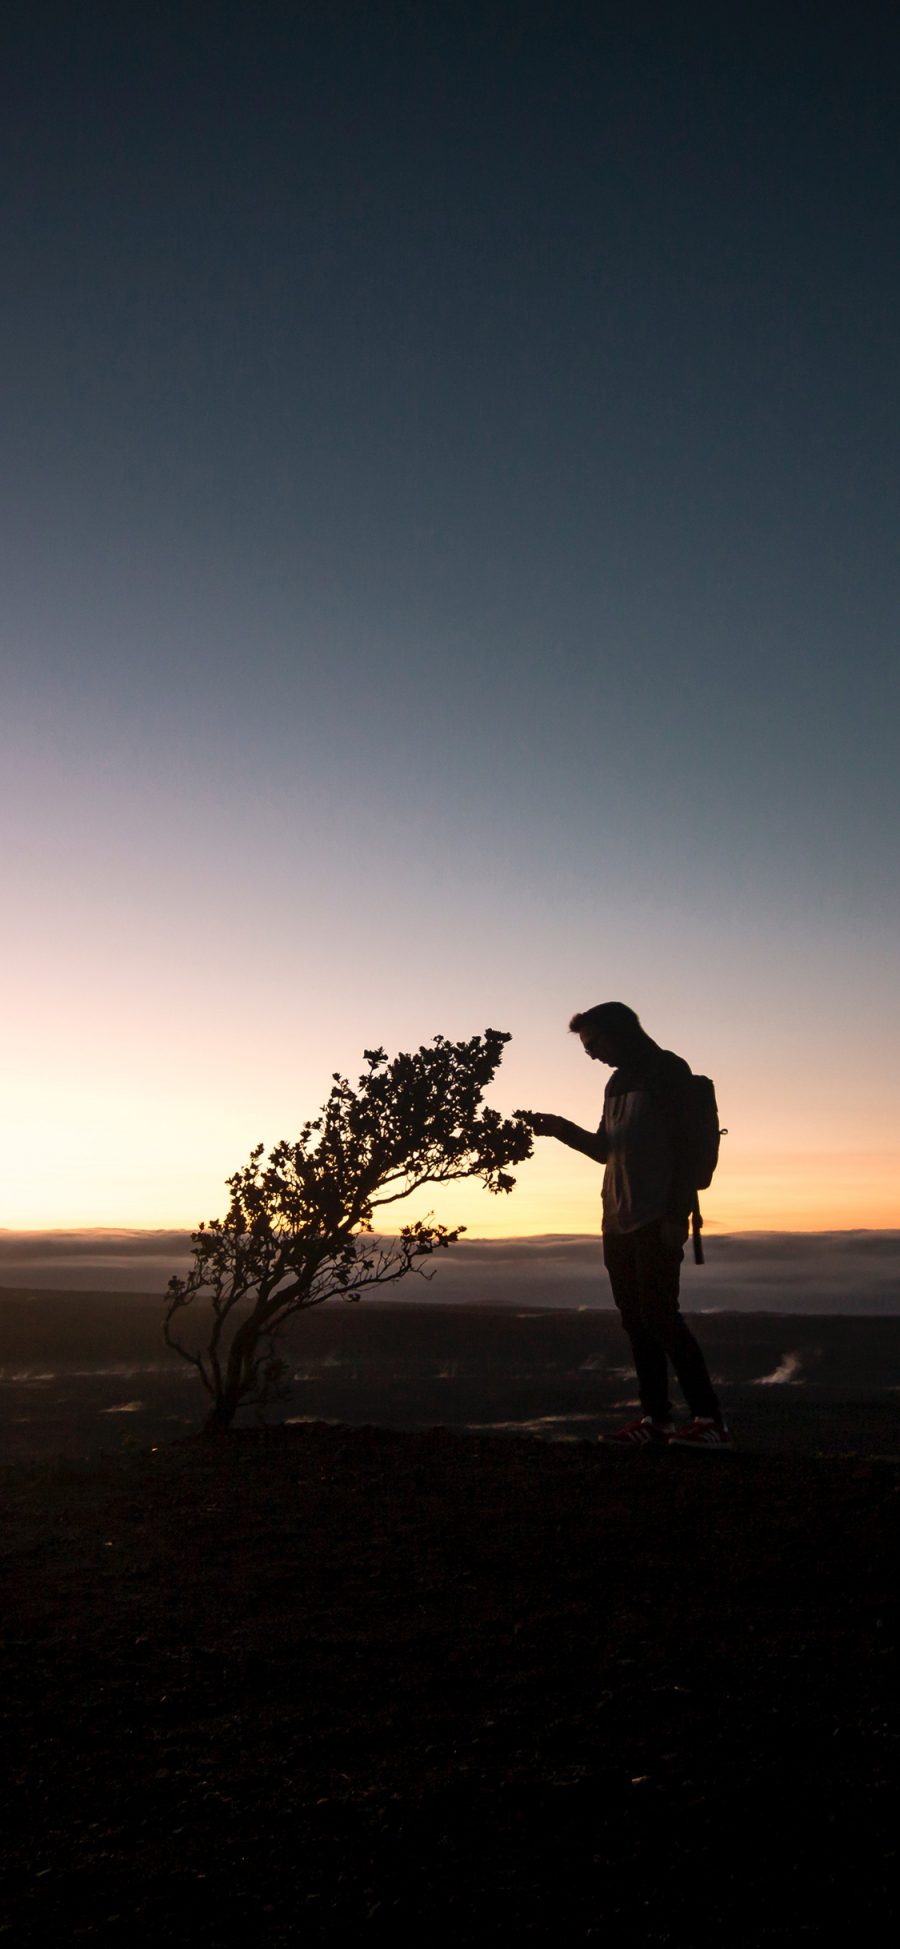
column 674, row 1234
column 542, row 1123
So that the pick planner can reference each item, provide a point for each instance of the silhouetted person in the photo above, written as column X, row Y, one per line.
column 647, row 1201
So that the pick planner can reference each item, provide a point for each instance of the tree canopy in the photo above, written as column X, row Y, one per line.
column 299, row 1225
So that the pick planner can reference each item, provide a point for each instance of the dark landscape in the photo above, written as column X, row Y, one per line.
column 325, row 1681
column 84, row 1372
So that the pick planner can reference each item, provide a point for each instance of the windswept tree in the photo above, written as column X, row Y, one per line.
column 299, row 1226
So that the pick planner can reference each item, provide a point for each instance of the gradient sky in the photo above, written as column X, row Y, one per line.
column 449, row 577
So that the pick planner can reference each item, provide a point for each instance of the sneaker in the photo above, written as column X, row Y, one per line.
column 643, row 1433
column 702, row 1432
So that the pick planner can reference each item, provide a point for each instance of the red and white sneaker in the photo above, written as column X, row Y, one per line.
column 646, row 1432
column 702, row 1432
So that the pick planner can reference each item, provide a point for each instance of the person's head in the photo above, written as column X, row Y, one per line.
column 608, row 1032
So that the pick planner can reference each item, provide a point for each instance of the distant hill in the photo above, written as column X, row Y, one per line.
column 782, row 1272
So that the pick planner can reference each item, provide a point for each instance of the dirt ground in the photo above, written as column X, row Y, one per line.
column 84, row 1373
column 325, row 1683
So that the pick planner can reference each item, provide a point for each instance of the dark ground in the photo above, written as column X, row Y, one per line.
column 329, row 1681
column 326, row 1683
column 81, row 1373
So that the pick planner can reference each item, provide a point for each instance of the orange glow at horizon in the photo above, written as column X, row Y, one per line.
column 129, row 1106
column 167, row 1173
column 777, row 1191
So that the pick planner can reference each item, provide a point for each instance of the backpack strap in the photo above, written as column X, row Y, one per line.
column 696, row 1229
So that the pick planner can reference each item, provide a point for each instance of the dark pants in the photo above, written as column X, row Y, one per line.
column 644, row 1275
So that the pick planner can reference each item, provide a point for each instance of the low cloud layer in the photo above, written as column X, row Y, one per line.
column 778, row 1272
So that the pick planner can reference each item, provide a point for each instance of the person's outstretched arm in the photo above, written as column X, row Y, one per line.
column 592, row 1143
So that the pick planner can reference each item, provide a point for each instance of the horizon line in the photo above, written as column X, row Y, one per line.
column 120, row 1233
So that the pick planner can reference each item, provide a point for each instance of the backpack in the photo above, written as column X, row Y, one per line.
column 702, row 1141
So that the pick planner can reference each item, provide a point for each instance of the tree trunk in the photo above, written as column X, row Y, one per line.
column 241, row 1354
column 220, row 1416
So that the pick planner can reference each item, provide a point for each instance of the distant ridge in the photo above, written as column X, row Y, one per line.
column 790, row 1272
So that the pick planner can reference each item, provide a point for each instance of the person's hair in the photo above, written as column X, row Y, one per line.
column 608, row 1018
